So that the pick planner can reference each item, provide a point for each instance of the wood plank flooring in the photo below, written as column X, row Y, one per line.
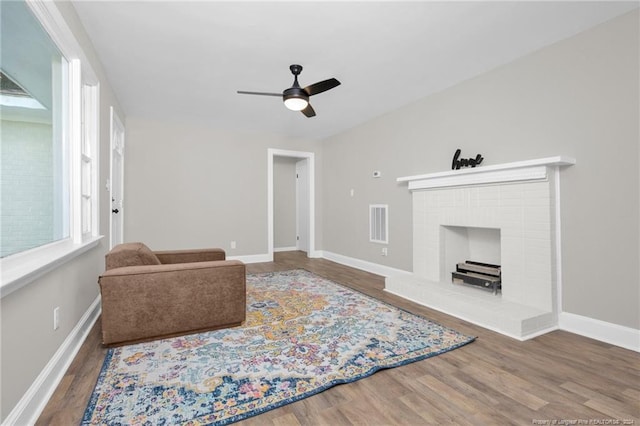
column 495, row 380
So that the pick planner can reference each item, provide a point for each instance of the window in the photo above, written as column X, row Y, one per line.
column 378, row 223
column 34, row 174
column 49, row 109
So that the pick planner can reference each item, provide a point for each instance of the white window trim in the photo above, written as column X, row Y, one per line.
column 91, row 136
column 23, row 268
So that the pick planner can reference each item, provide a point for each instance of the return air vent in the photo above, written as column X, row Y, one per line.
column 379, row 223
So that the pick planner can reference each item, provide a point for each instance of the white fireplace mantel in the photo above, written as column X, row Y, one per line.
column 507, row 172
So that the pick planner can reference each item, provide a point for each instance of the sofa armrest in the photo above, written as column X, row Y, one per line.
column 187, row 256
column 143, row 302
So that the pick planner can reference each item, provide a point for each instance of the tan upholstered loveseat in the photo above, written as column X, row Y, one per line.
column 148, row 295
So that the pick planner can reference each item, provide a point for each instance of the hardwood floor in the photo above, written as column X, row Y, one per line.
column 495, row 380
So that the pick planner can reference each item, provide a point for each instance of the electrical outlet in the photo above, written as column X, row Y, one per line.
column 384, row 251
column 233, row 244
column 56, row 318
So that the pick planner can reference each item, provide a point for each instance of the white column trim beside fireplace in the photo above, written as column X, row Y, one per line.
column 520, row 199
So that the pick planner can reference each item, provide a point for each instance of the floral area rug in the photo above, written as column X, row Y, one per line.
column 303, row 334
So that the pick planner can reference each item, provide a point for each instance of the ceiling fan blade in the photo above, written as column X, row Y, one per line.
column 242, row 92
column 308, row 111
column 321, row 86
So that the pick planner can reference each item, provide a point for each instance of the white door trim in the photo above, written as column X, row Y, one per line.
column 116, row 125
column 302, row 205
column 310, row 157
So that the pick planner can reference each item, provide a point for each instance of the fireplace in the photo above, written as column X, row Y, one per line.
column 504, row 215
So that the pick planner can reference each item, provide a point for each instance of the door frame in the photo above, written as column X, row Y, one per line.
column 116, row 123
column 301, row 208
column 310, row 158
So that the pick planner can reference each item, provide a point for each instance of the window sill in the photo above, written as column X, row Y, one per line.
column 21, row 269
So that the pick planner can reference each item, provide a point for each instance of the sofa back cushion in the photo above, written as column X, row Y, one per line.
column 130, row 254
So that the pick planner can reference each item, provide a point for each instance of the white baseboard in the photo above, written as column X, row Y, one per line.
column 30, row 406
column 374, row 268
column 252, row 258
column 626, row 337
column 278, row 249
column 315, row 254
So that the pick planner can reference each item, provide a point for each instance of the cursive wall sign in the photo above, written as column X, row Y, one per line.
column 465, row 162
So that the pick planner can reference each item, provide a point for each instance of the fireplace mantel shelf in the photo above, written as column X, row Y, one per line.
column 507, row 172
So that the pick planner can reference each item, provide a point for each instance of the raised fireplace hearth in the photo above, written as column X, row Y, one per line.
column 506, row 215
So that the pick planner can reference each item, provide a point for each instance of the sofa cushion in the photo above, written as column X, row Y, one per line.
column 130, row 254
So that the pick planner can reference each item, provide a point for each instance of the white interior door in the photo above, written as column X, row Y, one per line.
column 116, row 186
column 302, row 205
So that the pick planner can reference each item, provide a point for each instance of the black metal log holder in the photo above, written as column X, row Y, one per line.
column 484, row 275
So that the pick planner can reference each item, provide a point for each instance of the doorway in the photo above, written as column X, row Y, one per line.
column 305, row 200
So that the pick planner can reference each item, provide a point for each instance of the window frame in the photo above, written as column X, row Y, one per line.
column 89, row 159
column 20, row 269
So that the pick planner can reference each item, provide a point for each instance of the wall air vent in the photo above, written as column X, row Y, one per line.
column 379, row 223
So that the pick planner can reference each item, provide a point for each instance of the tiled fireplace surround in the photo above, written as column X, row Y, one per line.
column 521, row 200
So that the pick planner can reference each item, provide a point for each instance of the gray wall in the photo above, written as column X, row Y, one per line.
column 578, row 98
column 28, row 340
column 189, row 185
column 284, row 202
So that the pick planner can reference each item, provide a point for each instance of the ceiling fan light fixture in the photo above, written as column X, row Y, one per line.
column 296, row 104
column 295, row 99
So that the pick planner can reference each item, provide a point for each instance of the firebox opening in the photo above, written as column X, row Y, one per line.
column 462, row 244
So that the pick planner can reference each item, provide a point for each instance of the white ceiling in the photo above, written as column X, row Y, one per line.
column 186, row 59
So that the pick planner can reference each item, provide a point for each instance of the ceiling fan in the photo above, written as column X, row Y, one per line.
column 296, row 98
